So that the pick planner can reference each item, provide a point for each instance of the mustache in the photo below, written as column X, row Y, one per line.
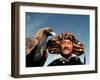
column 65, row 48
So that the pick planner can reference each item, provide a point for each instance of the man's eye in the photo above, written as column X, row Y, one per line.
column 69, row 42
column 62, row 42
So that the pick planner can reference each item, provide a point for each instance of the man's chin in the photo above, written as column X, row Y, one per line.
column 66, row 52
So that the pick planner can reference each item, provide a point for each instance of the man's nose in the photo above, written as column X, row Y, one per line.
column 66, row 45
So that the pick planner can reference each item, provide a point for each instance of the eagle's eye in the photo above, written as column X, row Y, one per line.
column 50, row 30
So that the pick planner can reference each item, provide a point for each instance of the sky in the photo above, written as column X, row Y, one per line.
column 78, row 25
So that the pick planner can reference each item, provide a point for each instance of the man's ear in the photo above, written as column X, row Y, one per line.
column 78, row 49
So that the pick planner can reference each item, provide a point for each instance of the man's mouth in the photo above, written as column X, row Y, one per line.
column 65, row 49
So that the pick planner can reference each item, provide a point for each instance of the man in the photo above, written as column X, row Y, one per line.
column 68, row 48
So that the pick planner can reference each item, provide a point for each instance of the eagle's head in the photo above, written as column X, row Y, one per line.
column 49, row 32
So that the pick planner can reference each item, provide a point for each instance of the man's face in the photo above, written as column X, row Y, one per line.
column 66, row 47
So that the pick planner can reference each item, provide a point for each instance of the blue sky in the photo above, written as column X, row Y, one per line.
column 76, row 24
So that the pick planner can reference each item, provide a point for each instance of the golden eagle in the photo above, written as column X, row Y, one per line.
column 36, row 52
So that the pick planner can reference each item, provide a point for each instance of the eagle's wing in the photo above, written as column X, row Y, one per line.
column 30, row 44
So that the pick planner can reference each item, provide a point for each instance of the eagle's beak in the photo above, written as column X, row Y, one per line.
column 53, row 33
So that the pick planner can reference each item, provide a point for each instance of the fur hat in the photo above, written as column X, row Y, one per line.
column 53, row 45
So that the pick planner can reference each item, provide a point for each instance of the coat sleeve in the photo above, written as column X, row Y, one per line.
column 75, row 61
